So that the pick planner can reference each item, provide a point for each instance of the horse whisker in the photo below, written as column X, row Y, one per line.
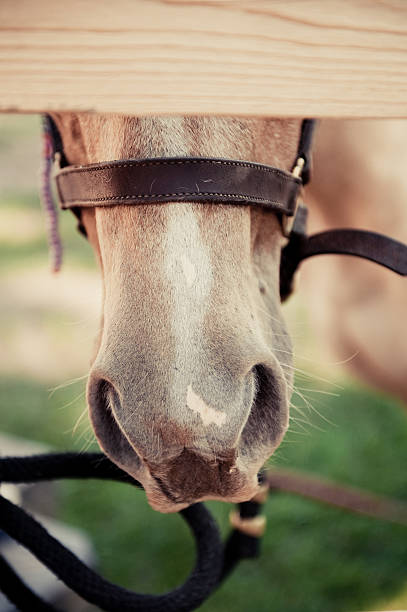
column 52, row 390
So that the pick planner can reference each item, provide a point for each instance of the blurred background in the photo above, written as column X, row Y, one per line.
column 314, row 558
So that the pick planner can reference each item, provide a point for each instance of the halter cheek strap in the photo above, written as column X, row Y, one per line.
column 368, row 245
column 228, row 182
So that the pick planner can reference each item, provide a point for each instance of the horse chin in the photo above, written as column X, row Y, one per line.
column 164, row 502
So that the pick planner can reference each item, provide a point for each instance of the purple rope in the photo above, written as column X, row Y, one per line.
column 48, row 203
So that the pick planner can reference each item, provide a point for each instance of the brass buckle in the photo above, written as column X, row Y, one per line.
column 254, row 526
column 57, row 162
column 288, row 221
column 298, row 168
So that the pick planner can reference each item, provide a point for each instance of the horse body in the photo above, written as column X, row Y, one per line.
column 358, row 308
column 192, row 373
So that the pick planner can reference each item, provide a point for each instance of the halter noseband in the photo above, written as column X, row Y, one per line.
column 222, row 181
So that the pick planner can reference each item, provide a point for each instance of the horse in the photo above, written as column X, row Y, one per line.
column 192, row 373
column 356, row 307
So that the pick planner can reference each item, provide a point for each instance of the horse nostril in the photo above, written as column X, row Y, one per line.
column 269, row 408
column 103, row 401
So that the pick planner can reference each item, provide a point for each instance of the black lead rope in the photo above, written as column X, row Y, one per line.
column 214, row 561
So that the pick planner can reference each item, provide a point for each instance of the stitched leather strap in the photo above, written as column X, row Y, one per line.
column 360, row 243
column 192, row 179
column 218, row 181
column 376, row 247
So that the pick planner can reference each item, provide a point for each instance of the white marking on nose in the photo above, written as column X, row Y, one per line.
column 189, row 270
column 187, row 266
column 207, row 413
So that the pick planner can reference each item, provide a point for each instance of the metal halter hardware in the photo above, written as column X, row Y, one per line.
column 226, row 182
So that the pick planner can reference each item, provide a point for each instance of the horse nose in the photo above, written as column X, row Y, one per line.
column 161, row 413
column 190, row 440
column 191, row 476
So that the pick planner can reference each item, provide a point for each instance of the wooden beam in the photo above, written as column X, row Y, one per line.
column 285, row 58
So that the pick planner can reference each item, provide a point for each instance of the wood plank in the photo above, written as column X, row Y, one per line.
column 300, row 58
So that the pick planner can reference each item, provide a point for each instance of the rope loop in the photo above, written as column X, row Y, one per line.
column 210, row 567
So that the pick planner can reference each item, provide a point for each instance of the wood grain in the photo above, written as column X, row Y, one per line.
column 285, row 58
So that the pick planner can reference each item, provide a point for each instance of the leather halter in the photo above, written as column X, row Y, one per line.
column 175, row 179
column 226, row 182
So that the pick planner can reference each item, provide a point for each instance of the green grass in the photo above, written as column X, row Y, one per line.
column 17, row 128
column 314, row 558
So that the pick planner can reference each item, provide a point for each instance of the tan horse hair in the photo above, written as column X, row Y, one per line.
column 190, row 385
